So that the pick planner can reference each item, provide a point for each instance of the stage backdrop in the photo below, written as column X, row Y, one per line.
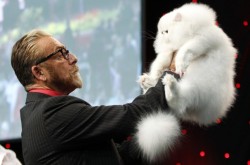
column 104, row 35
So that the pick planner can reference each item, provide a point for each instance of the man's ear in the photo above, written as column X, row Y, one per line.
column 38, row 73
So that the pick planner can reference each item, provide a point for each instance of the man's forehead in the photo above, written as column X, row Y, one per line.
column 50, row 43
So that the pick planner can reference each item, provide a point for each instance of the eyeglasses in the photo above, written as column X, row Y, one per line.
column 65, row 53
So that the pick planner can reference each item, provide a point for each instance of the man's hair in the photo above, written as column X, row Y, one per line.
column 24, row 55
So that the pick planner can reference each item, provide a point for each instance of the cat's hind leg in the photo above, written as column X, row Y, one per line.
column 170, row 85
column 173, row 96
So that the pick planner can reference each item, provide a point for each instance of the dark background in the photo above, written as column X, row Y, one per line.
column 231, row 135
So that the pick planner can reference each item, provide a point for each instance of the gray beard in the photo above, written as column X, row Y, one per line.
column 67, row 84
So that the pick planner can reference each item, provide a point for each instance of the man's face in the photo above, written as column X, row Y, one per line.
column 61, row 74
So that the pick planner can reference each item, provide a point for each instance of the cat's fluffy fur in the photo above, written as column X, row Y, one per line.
column 205, row 59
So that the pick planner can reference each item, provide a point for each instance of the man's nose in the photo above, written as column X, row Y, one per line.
column 72, row 58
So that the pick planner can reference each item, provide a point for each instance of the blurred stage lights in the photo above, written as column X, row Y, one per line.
column 184, row 132
column 7, row 145
column 227, row 155
column 218, row 121
column 202, row 153
column 237, row 85
column 245, row 23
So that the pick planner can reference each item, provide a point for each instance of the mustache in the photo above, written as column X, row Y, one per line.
column 75, row 69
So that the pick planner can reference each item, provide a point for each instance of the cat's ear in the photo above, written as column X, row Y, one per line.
column 178, row 17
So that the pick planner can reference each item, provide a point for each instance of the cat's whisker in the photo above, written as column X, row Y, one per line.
column 149, row 35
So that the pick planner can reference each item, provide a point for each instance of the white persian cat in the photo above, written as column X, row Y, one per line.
column 190, row 44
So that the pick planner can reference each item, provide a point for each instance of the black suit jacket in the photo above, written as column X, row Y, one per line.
column 67, row 130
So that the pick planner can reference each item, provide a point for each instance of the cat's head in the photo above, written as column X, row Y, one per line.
column 181, row 24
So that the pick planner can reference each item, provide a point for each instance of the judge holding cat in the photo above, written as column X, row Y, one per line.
column 61, row 129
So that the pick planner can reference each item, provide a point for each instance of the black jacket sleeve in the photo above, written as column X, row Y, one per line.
column 72, row 123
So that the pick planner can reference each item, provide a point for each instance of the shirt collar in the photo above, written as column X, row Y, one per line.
column 49, row 92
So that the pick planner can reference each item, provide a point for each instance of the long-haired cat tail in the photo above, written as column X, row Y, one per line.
column 157, row 134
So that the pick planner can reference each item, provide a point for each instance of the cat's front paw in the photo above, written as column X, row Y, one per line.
column 181, row 67
column 182, row 61
column 156, row 74
column 170, row 84
column 146, row 82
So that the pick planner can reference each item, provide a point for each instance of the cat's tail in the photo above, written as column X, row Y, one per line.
column 157, row 134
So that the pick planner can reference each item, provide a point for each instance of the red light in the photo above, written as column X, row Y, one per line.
column 7, row 146
column 248, row 162
column 218, row 121
column 245, row 23
column 226, row 155
column 129, row 138
column 237, row 85
column 202, row 153
column 236, row 56
column 178, row 163
column 184, row 132
column 194, row 1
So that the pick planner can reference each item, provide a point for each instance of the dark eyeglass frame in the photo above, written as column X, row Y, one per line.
column 65, row 54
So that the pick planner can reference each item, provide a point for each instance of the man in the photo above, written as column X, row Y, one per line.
column 62, row 129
